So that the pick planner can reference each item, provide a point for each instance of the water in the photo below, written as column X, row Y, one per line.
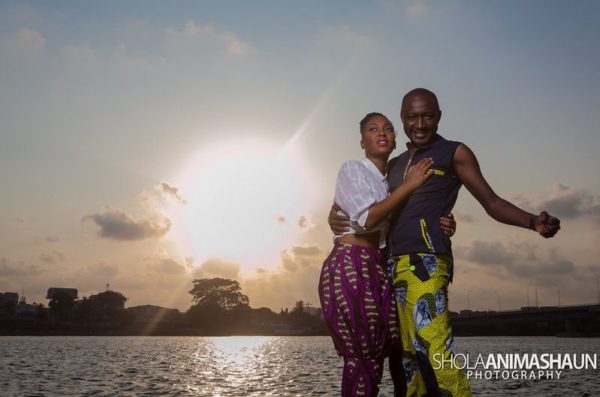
column 239, row 366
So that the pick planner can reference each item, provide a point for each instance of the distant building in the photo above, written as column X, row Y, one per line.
column 70, row 292
column 9, row 298
column 8, row 302
column 27, row 309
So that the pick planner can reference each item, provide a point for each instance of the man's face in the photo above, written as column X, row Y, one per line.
column 420, row 116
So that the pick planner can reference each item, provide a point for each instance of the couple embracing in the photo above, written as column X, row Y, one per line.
column 384, row 287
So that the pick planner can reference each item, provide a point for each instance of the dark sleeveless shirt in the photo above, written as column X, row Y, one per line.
column 415, row 228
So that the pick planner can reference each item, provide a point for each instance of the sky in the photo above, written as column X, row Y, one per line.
column 147, row 144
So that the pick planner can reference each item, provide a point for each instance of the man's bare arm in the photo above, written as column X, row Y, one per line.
column 339, row 224
column 467, row 168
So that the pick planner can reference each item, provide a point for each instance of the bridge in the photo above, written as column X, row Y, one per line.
column 577, row 320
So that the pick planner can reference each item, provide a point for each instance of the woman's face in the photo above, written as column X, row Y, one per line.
column 378, row 137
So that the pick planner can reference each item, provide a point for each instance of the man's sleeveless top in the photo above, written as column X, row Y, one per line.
column 415, row 228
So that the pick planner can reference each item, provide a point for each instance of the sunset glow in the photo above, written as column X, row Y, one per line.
column 244, row 200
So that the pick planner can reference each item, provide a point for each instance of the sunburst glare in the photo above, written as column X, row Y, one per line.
column 244, row 200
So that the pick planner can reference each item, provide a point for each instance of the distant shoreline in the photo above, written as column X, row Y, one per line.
column 582, row 321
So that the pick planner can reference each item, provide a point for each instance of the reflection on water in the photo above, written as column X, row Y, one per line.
column 234, row 366
column 264, row 366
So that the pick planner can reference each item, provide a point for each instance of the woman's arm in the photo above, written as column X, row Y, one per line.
column 415, row 177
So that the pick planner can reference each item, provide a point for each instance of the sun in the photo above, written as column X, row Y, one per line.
column 244, row 200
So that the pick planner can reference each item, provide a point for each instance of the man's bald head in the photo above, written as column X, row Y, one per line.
column 419, row 92
column 420, row 115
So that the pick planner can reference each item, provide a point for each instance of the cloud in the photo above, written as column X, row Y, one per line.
column 563, row 201
column 235, row 45
column 27, row 42
column 170, row 191
column 589, row 273
column 463, row 218
column 53, row 257
column 306, row 250
column 166, row 265
column 20, row 268
column 117, row 225
column 344, row 34
column 417, row 9
column 544, row 269
column 192, row 33
column 47, row 240
column 78, row 53
column 216, row 267
column 302, row 222
column 98, row 270
column 295, row 279
column 91, row 279
column 520, row 259
column 489, row 253
column 129, row 62
column 557, row 265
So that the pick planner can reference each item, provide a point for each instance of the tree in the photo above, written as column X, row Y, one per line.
column 109, row 301
column 299, row 317
column 62, row 305
column 298, row 307
column 224, row 293
column 107, row 305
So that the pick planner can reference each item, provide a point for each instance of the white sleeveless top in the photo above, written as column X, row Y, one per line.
column 359, row 185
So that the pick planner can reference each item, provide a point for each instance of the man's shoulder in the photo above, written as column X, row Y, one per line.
column 449, row 141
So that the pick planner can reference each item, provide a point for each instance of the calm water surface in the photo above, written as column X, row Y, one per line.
column 238, row 366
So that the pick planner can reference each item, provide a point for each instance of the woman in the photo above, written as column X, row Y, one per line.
column 354, row 289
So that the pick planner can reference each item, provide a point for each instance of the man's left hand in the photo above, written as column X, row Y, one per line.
column 448, row 225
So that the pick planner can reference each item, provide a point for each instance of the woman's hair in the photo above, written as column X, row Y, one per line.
column 369, row 116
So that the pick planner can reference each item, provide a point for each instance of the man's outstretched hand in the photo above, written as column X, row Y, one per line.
column 546, row 225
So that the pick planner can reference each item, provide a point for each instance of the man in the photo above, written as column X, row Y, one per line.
column 420, row 255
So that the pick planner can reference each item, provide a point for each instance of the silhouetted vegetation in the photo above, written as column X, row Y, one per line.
column 105, row 306
column 220, row 308
column 224, row 293
column 62, row 306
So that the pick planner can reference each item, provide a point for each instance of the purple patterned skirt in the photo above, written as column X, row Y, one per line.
column 358, row 303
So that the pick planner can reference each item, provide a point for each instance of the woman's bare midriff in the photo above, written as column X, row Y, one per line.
column 362, row 240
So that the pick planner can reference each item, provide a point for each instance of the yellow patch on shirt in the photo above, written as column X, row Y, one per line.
column 436, row 172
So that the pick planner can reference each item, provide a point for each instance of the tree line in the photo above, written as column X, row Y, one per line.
column 219, row 308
